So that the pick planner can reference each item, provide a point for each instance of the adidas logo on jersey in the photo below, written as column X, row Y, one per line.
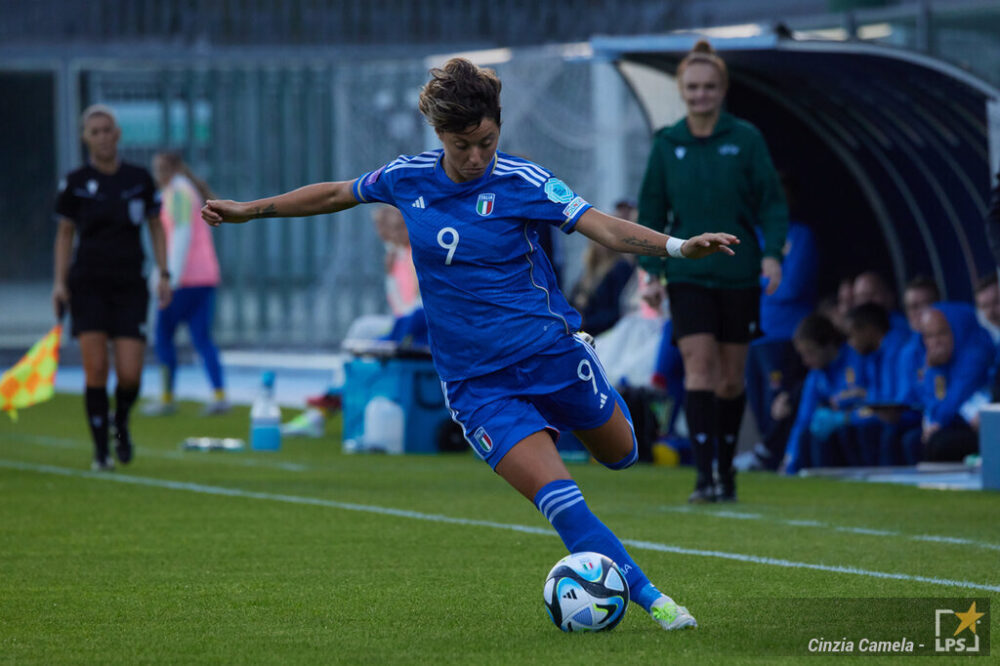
column 419, row 203
column 604, row 399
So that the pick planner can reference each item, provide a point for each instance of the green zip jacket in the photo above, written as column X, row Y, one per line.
column 724, row 182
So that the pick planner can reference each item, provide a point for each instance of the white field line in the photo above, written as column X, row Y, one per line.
column 230, row 458
column 869, row 531
column 437, row 518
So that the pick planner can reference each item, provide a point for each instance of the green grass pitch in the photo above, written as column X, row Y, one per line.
column 309, row 556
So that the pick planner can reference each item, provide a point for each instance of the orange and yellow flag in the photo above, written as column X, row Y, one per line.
column 32, row 379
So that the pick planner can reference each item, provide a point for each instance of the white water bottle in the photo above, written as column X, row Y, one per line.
column 384, row 425
column 265, row 417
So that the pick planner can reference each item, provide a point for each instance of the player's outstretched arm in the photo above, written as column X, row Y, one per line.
column 625, row 236
column 315, row 199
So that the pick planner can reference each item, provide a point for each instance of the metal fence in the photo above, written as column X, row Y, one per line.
column 264, row 125
column 263, row 120
column 470, row 23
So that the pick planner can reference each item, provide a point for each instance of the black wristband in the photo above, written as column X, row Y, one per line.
column 164, row 274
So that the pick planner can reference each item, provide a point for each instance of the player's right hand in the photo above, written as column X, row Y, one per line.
column 217, row 211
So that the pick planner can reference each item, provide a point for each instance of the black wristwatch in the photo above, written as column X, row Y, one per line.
column 164, row 274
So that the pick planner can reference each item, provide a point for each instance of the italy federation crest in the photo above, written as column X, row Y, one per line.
column 484, row 206
column 483, row 440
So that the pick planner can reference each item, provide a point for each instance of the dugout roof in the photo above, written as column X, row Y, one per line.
column 889, row 148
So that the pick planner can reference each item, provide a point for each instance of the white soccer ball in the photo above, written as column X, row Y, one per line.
column 586, row 592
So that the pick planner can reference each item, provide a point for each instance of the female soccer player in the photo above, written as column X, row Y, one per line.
column 503, row 337
column 713, row 170
column 105, row 201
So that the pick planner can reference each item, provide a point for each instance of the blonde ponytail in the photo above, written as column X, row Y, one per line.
column 703, row 53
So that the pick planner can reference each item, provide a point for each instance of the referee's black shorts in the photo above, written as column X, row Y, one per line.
column 112, row 305
column 730, row 315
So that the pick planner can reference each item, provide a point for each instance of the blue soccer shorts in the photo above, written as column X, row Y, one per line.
column 562, row 388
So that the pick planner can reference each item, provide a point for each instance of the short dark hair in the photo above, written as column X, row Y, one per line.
column 459, row 96
column 986, row 281
column 924, row 282
column 818, row 328
column 869, row 314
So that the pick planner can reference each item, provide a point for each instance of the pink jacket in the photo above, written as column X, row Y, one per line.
column 401, row 288
column 190, row 250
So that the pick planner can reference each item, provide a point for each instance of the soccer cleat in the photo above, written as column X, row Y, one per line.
column 123, row 445
column 159, row 408
column 703, row 494
column 215, row 408
column 725, row 490
column 328, row 401
column 102, row 465
column 310, row 423
column 669, row 615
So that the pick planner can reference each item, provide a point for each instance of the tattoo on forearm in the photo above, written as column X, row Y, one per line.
column 267, row 211
column 643, row 246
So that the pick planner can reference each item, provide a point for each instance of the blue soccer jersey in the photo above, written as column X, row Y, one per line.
column 489, row 292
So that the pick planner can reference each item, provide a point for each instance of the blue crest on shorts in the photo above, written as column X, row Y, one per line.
column 483, row 440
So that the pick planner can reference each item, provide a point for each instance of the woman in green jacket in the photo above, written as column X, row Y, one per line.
column 712, row 171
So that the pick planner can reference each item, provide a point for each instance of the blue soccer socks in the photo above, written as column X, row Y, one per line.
column 562, row 504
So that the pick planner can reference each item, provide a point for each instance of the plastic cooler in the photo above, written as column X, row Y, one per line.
column 411, row 383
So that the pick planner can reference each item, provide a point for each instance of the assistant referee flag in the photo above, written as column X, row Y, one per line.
column 32, row 380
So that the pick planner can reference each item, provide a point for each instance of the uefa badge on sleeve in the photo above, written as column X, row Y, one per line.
column 558, row 191
column 484, row 206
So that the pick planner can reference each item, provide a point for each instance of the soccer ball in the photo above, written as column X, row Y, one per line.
column 586, row 592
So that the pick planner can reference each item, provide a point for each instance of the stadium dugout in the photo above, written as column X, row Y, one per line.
column 894, row 150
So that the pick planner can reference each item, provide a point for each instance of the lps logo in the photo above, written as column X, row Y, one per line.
column 946, row 640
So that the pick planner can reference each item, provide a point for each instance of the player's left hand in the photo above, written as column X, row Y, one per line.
column 163, row 292
column 770, row 268
column 703, row 245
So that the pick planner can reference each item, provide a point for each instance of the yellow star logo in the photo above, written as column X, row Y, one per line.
column 968, row 619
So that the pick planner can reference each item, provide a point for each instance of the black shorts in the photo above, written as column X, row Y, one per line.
column 731, row 315
column 116, row 307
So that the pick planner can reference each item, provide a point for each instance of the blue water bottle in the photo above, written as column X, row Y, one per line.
column 265, row 417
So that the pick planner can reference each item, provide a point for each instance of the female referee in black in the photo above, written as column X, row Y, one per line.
column 712, row 170
column 105, row 201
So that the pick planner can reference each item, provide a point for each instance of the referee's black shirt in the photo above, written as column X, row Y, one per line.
column 108, row 211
